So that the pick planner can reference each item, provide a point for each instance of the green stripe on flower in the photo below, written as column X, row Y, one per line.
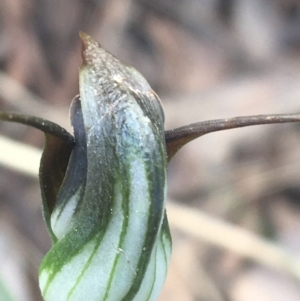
column 113, row 241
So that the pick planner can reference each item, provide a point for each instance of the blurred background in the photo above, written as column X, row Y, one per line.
column 206, row 60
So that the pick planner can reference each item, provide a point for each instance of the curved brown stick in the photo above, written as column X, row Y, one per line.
column 57, row 151
column 46, row 126
column 178, row 137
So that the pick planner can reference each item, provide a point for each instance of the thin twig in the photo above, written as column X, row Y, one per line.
column 48, row 127
column 178, row 137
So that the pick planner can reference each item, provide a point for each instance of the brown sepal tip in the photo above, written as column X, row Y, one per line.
column 86, row 40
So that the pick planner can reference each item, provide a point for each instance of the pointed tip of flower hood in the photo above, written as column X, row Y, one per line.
column 85, row 40
column 90, row 49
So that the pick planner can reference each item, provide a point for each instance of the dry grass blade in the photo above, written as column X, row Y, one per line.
column 19, row 157
column 233, row 238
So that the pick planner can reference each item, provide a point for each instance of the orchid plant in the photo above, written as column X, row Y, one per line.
column 104, row 187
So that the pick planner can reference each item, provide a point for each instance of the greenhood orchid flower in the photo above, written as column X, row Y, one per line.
column 104, row 188
column 110, row 230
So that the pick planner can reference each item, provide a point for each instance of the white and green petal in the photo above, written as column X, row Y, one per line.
column 112, row 237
